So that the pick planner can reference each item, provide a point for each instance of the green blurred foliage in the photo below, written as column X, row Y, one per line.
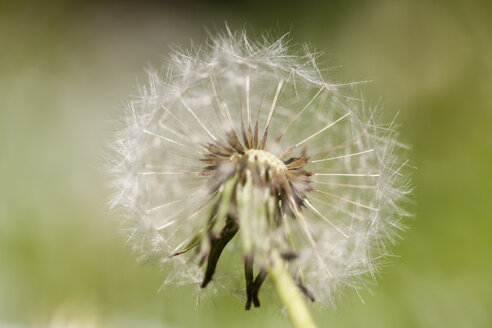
column 64, row 69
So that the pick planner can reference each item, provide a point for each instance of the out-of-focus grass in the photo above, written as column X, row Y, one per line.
column 64, row 69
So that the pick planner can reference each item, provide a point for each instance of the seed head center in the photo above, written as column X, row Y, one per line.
column 265, row 159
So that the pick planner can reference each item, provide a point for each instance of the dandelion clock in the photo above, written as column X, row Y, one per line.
column 244, row 148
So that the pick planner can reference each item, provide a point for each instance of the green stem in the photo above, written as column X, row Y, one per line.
column 290, row 295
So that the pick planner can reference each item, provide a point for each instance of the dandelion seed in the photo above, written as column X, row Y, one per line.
column 245, row 176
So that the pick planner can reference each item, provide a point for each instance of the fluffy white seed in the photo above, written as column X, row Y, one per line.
column 348, row 218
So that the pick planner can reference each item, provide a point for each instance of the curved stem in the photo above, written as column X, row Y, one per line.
column 290, row 295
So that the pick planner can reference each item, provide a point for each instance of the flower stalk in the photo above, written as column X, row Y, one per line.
column 289, row 294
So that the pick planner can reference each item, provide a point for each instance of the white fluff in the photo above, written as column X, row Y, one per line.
column 154, row 160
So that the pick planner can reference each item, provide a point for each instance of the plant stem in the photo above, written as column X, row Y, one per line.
column 290, row 295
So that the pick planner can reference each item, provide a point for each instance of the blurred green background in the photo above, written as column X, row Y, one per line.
column 66, row 67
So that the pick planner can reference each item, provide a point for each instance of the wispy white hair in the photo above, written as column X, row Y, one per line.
column 359, row 180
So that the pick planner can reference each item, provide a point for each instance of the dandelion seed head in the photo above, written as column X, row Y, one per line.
column 247, row 144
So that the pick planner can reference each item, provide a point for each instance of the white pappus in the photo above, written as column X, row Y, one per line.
column 245, row 147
